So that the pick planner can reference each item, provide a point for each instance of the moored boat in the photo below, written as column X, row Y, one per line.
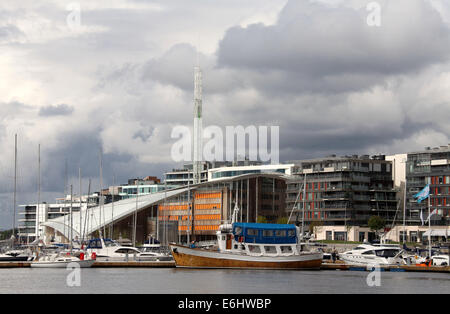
column 58, row 260
column 251, row 246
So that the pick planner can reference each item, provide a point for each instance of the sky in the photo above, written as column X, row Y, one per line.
column 116, row 76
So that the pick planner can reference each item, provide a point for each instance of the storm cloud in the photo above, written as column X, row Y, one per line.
column 119, row 83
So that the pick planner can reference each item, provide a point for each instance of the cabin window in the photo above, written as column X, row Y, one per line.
column 368, row 253
column 280, row 233
column 252, row 232
column 267, row 233
column 238, row 231
column 286, row 249
column 254, row 249
column 270, row 249
column 291, row 233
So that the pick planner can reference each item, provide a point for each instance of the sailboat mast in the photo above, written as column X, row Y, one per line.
column 39, row 192
column 304, row 204
column 71, row 217
column 81, row 220
column 15, row 187
column 112, row 209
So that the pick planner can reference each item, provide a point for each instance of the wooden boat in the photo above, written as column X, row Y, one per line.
column 251, row 246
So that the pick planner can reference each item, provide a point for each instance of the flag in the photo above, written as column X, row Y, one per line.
column 431, row 214
column 421, row 216
column 423, row 194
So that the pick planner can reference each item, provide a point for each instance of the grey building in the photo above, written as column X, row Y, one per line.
column 430, row 166
column 342, row 190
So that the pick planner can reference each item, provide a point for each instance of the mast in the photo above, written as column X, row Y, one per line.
column 101, row 197
column 71, row 217
column 189, row 213
column 81, row 220
column 112, row 210
column 15, row 189
column 429, row 227
column 86, row 222
column 404, row 214
column 304, row 204
column 135, row 213
column 39, row 192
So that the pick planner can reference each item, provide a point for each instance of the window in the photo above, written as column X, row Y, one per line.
column 280, row 233
column 254, row 249
column 252, row 232
column 291, row 233
column 368, row 253
column 238, row 231
column 286, row 249
column 270, row 249
column 267, row 233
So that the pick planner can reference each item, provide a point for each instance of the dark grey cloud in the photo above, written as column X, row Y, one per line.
column 57, row 110
column 314, row 47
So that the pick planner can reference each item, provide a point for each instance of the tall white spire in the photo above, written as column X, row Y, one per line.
column 198, row 125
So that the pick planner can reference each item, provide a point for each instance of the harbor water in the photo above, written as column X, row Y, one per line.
column 217, row 281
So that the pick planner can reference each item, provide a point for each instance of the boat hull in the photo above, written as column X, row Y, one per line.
column 54, row 264
column 200, row 258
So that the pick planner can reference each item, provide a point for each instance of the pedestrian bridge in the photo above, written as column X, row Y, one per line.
column 98, row 217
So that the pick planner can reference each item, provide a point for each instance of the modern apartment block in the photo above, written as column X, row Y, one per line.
column 342, row 191
column 430, row 166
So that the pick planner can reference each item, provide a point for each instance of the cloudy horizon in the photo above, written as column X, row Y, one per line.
column 118, row 81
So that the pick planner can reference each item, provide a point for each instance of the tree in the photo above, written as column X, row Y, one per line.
column 376, row 223
column 282, row 220
column 261, row 219
column 315, row 227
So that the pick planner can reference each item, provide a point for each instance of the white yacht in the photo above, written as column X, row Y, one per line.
column 15, row 256
column 60, row 260
column 367, row 254
column 110, row 250
column 153, row 252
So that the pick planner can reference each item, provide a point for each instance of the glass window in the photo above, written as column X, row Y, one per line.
column 280, row 233
column 270, row 249
column 254, row 249
column 238, row 231
column 286, row 249
column 268, row 233
column 252, row 232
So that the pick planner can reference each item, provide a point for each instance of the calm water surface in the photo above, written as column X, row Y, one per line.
column 174, row 281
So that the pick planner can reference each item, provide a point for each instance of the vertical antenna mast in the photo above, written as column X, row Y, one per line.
column 198, row 125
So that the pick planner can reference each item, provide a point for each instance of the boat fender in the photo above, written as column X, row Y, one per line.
column 93, row 255
column 81, row 256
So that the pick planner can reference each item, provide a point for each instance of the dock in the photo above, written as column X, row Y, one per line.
column 147, row 264
column 392, row 268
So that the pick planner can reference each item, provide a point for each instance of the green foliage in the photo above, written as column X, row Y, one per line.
column 282, row 220
column 261, row 219
column 376, row 223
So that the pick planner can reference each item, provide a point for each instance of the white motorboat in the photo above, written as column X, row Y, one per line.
column 153, row 252
column 15, row 256
column 110, row 250
column 367, row 254
column 58, row 260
